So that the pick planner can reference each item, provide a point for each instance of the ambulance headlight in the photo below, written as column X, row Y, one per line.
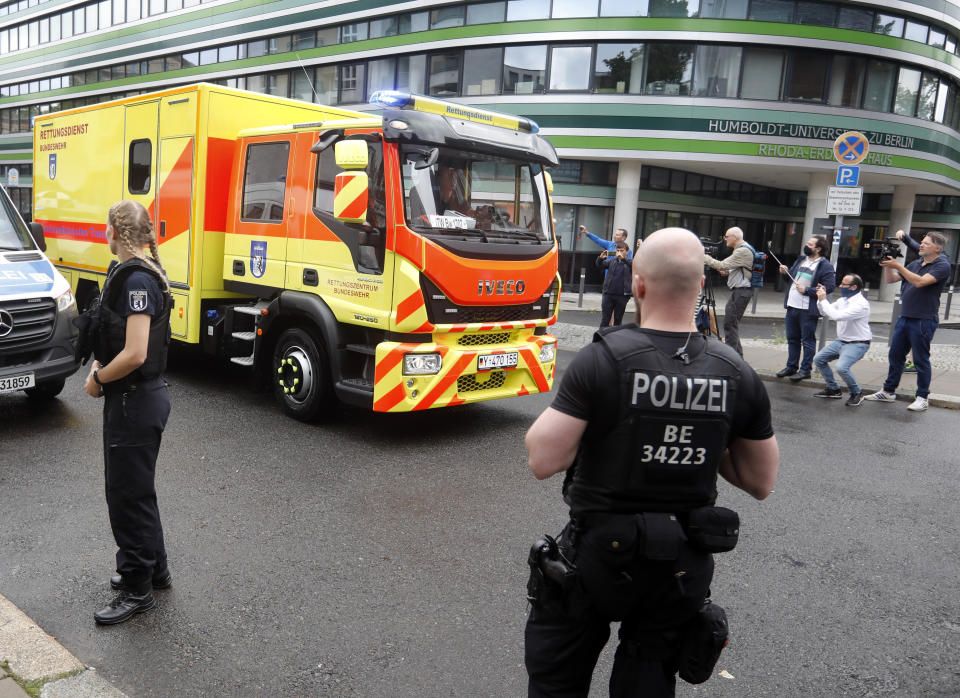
column 421, row 364
column 548, row 352
column 65, row 301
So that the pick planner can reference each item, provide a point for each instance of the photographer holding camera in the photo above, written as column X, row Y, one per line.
column 922, row 282
column 738, row 268
column 616, row 283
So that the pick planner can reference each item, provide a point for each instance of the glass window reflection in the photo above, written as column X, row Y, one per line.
column 523, row 69
column 482, row 69
column 673, row 8
column 570, row 67
column 486, row 12
column 619, row 69
column 908, row 86
column 762, row 73
column 881, row 80
column 669, row 68
column 846, row 81
column 724, row 9
column 574, row 8
column 527, row 9
column 717, row 71
column 623, row 8
column 772, row 10
column 889, row 25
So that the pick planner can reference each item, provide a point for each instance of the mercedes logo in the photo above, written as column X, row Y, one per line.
column 6, row 323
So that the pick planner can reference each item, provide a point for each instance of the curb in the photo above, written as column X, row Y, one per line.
column 32, row 656
column 935, row 399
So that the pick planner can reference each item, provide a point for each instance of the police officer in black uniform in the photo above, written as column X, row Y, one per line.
column 130, row 328
column 647, row 415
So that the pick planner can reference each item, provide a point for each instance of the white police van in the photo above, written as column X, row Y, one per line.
column 37, row 308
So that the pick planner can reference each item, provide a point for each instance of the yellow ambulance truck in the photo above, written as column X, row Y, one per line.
column 397, row 261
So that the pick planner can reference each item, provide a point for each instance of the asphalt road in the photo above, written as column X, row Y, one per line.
column 385, row 555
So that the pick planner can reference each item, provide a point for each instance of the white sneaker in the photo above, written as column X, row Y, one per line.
column 881, row 396
column 919, row 405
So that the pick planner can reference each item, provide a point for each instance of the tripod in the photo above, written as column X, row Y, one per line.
column 707, row 307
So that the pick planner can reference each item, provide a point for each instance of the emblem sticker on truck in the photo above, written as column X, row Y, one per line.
column 258, row 257
column 53, row 166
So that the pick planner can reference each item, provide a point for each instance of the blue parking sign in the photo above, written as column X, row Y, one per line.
column 848, row 176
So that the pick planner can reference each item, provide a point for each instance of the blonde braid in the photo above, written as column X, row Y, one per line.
column 131, row 222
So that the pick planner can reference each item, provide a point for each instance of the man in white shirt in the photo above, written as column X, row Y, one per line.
column 852, row 315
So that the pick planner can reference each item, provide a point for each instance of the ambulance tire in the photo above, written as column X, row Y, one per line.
column 301, row 376
column 45, row 391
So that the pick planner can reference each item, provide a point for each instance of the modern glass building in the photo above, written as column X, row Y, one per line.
column 699, row 113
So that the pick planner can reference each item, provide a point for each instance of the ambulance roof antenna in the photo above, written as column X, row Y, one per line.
column 309, row 81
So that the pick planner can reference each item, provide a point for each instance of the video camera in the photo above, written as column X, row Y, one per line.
column 711, row 247
column 884, row 247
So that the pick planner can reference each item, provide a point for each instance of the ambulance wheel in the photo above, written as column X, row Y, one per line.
column 301, row 377
column 45, row 391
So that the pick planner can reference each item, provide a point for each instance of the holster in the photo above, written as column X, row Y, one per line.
column 713, row 529
column 554, row 583
column 88, row 323
column 706, row 636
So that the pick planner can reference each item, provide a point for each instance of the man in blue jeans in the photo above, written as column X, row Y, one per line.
column 852, row 315
column 922, row 282
column 812, row 269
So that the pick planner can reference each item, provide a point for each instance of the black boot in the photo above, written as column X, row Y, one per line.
column 161, row 580
column 133, row 599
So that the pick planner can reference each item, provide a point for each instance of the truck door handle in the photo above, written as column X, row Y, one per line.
column 163, row 228
column 310, row 277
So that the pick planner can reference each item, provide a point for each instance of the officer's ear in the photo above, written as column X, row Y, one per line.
column 639, row 287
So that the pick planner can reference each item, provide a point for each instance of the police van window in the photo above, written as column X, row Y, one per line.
column 265, row 182
column 141, row 160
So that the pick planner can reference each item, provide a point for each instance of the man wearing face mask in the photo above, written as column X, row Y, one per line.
column 852, row 315
column 812, row 269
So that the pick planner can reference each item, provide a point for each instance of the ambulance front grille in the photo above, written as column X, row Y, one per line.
column 480, row 381
column 33, row 321
column 443, row 311
column 477, row 340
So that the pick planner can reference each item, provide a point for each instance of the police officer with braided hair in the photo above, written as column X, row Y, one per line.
column 645, row 419
column 131, row 333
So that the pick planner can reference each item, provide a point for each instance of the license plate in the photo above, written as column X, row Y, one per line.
column 490, row 361
column 13, row 383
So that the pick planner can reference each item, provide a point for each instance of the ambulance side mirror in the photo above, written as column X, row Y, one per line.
column 350, row 193
column 37, row 231
column 351, row 155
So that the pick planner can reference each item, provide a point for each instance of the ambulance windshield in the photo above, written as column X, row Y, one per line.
column 472, row 195
column 13, row 234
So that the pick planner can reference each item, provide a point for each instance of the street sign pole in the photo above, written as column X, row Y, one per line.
column 849, row 149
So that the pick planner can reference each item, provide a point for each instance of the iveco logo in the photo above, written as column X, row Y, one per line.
column 6, row 323
column 503, row 287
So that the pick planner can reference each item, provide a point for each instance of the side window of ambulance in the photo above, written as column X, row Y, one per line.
column 138, row 170
column 265, row 182
column 327, row 172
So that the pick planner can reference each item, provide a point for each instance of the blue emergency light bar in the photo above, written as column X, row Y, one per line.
column 393, row 99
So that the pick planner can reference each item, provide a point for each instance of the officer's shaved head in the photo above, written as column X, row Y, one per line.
column 668, row 271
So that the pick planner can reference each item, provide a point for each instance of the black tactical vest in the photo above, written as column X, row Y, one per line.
column 672, row 420
column 112, row 327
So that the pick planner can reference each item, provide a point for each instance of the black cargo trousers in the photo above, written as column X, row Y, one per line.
column 655, row 600
column 134, row 416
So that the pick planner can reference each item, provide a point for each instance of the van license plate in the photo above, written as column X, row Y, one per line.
column 491, row 361
column 11, row 384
